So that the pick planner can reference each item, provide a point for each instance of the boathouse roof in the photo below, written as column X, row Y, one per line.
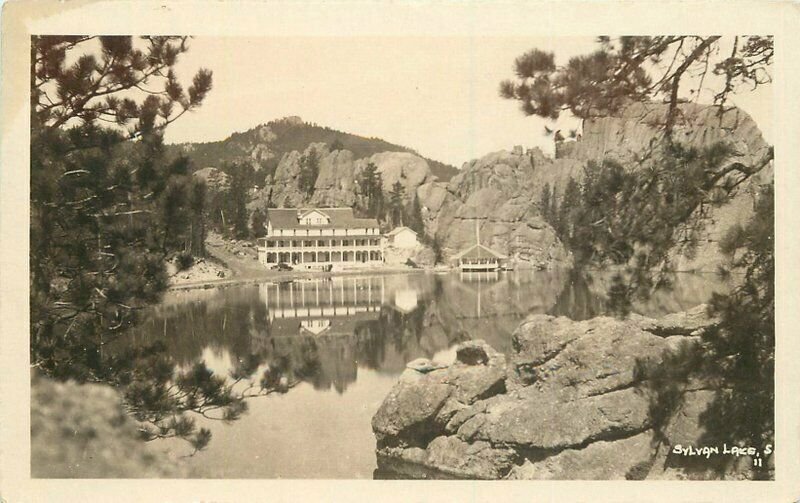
column 478, row 251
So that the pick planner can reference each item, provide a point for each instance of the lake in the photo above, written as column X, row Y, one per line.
column 345, row 340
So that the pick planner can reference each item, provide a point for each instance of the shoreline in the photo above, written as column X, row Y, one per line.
column 250, row 271
column 270, row 277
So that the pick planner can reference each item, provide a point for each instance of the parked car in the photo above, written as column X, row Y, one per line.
column 283, row 266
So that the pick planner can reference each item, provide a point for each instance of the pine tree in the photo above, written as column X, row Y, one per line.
column 396, row 203
column 197, row 204
column 636, row 215
column 99, row 201
column 565, row 215
column 544, row 204
column 554, row 214
column 258, row 224
column 106, row 212
column 309, row 171
column 636, row 68
column 371, row 186
column 414, row 218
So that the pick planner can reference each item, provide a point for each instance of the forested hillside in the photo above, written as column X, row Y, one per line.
column 265, row 145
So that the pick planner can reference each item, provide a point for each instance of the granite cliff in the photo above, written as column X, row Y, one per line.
column 339, row 172
column 498, row 195
column 500, row 192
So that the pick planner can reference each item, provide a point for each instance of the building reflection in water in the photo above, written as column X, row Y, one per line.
column 323, row 330
column 323, row 298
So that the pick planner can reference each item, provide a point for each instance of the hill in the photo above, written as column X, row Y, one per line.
column 265, row 145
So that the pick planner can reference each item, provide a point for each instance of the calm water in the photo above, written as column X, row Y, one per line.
column 347, row 339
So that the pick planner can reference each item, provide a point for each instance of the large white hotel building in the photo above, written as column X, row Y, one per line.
column 315, row 238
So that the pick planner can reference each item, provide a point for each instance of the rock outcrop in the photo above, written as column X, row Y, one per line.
column 629, row 135
column 337, row 180
column 418, row 256
column 214, row 179
column 83, row 431
column 566, row 404
column 409, row 169
column 500, row 192
column 498, row 195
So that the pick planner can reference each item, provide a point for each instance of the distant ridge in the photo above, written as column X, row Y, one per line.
column 265, row 144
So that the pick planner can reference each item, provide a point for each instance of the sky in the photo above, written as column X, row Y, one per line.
column 437, row 95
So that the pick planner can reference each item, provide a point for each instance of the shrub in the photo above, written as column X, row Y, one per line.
column 184, row 260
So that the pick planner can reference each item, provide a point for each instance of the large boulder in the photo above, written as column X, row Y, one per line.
column 285, row 189
column 548, row 422
column 690, row 322
column 425, row 398
column 581, row 359
column 567, row 404
column 601, row 460
column 84, row 431
column 479, row 460
column 336, row 183
column 409, row 169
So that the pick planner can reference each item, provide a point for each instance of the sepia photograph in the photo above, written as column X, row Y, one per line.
column 401, row 257
column 596, row 304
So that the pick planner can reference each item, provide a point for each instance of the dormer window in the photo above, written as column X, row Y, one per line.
column 313, row 217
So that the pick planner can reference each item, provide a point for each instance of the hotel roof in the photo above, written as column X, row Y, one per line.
column 289, row 218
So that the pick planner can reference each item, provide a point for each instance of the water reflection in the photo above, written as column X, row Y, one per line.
column 345, row 340
column 323, row 330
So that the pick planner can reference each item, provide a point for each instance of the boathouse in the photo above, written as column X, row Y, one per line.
column 479, row 258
